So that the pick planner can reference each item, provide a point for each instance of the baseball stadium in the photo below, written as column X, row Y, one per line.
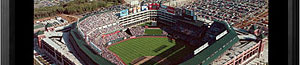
column 150, row 34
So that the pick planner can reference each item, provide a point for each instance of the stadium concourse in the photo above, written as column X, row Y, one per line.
column 190, row 24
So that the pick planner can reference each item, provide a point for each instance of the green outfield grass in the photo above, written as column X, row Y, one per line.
column 135, row 48
column 153, row 31
column 144, row 24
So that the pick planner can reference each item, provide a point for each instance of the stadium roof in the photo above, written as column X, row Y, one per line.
column 213, row 51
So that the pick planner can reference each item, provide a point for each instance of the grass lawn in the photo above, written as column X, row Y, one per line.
column 144, row 24
column 135, row 48
column 153, row 31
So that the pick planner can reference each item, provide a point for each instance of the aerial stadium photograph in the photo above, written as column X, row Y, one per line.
column 150, row 32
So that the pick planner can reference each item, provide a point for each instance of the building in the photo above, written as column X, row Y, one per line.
column 51, row 45
column 242, row 52
column 37, row 61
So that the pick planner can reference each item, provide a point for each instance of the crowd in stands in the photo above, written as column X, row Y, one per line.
column 103, row 27
column 137, row 30
column 114, row 37
column 103, row 23
column 98, row 20
column 102, row 42
column 121, row 34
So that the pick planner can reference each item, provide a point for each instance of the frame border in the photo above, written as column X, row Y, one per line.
column 5, row 32
column 293, row 32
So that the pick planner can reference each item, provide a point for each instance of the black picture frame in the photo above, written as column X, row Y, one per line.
column 5, row 32
column 293, row 32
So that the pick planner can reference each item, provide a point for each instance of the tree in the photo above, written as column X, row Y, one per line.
column 73, row 7
column 101, row 3
column 70, row 10
column 60, row 10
